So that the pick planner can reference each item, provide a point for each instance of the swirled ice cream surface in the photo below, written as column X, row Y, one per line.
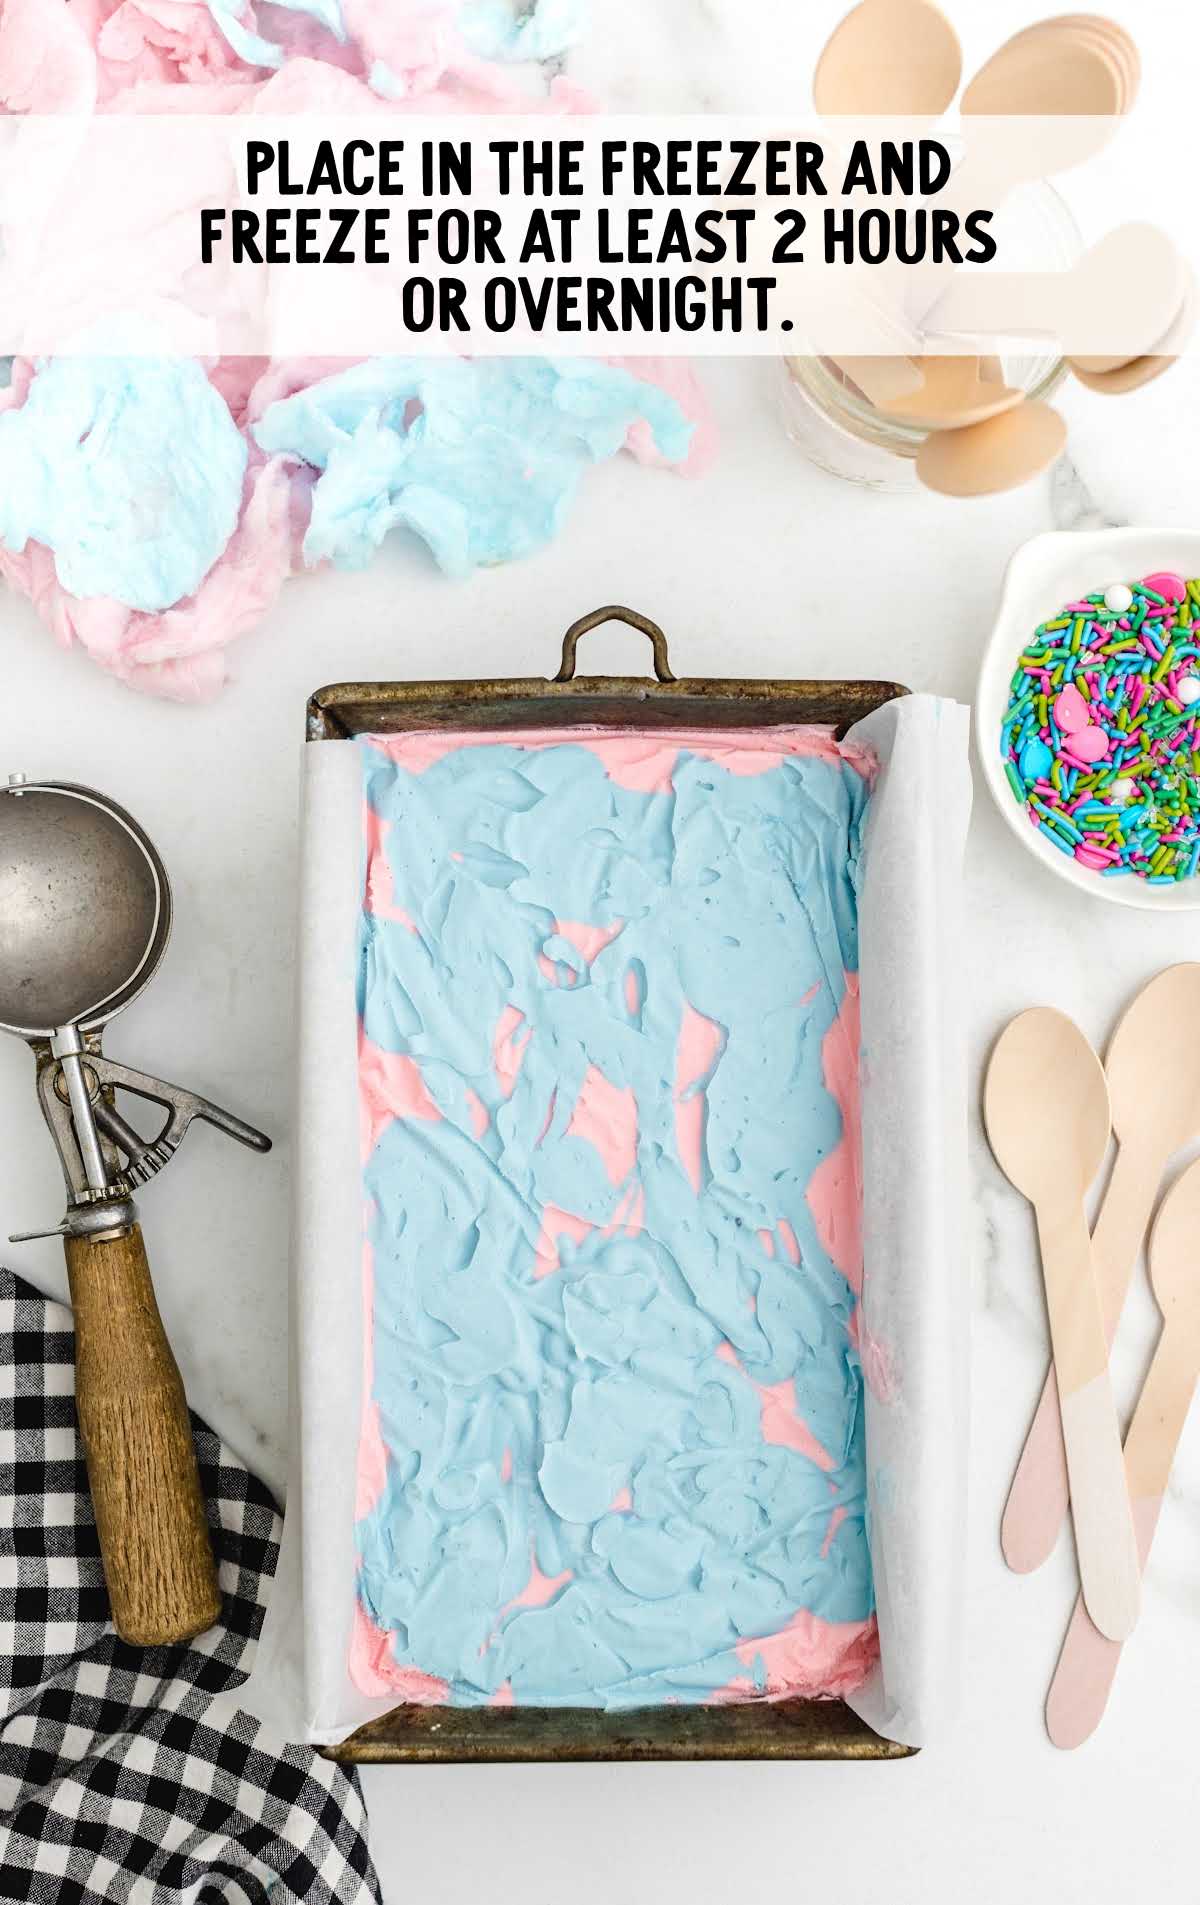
column 612, row 1443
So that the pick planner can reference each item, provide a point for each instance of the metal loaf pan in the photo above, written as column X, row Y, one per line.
column 781, row 1730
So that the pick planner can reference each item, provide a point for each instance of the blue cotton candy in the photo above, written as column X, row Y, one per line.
column 484, row 471
column 130, row 469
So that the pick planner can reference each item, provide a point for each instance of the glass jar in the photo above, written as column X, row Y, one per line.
column 842, row 432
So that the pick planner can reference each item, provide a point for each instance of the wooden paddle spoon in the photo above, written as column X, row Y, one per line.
column 1116, row 42
column 1044, row 70
column 1134, row 279
column 1126, row 377
column 953, row 392
column 1155, row 1112
column 1113, row 376
column 997, row 454
column 883, row 381
column 1088, row 1662
column 900, row 57
column 1045, row 1107
column 1050, row 69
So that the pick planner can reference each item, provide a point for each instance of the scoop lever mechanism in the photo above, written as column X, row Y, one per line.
column 76, row 1086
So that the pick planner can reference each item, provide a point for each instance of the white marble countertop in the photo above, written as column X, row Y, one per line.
column 763, row 567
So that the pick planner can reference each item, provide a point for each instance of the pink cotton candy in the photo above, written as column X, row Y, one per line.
column 237, row 379
column 283, row 377
column 47, row 63
column 160, row 41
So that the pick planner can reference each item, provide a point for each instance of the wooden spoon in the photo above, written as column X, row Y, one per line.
column 900, row 57
column 1134, row 276
column 1155, row 1112
column 1096, row 372
column 1048, row 70
column 998, row 454
column 1119, row 45
column 1117, row 383
column 954, row 393
column 1045, row 70
column 1088, row 1662
column 1046, row 1111
column 881, row 380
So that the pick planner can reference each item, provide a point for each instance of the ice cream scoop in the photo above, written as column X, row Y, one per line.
column 85, row 914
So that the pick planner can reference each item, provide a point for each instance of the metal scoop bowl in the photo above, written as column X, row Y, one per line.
column 85, row 914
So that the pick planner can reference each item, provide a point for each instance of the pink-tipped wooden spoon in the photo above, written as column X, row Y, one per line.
column 1088, row 1662
column 1155, row 1112
column 1045, row 1108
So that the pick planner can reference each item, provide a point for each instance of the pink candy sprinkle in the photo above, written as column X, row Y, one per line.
column 1087, row 745
column 1071, row 710
column 1166, row 583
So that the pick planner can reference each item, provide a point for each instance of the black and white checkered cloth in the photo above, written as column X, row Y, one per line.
column 129, row 1774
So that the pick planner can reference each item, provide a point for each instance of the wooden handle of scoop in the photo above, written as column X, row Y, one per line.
column 141, row 1462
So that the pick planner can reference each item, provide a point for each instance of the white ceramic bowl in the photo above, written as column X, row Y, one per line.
column 1042, row 576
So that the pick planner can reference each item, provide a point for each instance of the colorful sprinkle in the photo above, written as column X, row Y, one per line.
column 1101, row 736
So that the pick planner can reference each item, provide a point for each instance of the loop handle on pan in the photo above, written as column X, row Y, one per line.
column 615, row 613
